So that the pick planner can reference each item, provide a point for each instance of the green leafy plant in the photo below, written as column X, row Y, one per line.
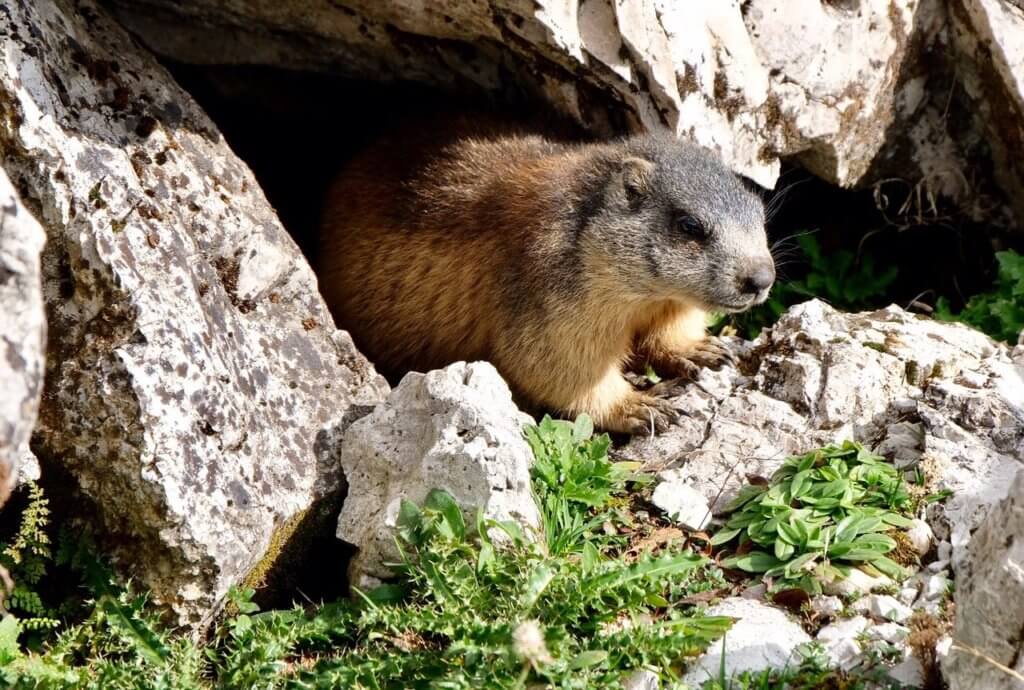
column 574, row 481
column 820, row 513
column 475, row 605
column 1000, row 312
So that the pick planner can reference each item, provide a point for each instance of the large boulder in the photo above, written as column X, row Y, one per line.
column 194, row 376
column 863, row 96
column 990, row 603
column 455, row 429
column 22, row 333
column 940, row 397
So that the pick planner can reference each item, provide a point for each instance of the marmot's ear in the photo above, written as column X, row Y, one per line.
column 636, row 177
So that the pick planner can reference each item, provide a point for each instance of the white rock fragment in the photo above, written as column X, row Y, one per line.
column 883, row 606
column 681, row 502
column 908, row 593
column 908, row 673
column 888, row 632
column 944, row 551
column 454, row 429
column 920, row 536
column 826, row 606
column 642, row 679
column 747, row 647
column 840, row 640
column 936, row 587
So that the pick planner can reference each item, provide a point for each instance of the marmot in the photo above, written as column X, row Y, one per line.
column 563, row 264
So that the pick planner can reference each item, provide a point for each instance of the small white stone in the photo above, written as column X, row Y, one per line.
column 681, row 502
column 908, row 672
column 857, row 582
column 826, row 606
column 938, row 566
column 909, row 593
column 935, row 587
column 847, row 628
column 641, row 679
column 889, row 632
column 943, row 646
column 884, row 606
column 920, row 536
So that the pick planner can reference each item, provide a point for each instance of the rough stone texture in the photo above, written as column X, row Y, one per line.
column 862, row 97
column 747, row 646
column 22, row 332
column 989, row 35
column 990, row 602
column 455, row 429
column 941, row 396
column 193, row 367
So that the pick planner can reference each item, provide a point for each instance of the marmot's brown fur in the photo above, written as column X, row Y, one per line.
column 562, row 264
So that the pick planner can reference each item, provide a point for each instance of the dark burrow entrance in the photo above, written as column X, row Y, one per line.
column 295, row 130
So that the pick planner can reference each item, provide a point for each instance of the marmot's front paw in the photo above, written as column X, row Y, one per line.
column 711, row 353
column 643, row 413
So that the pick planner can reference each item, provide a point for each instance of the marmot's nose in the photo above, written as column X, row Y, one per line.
column 760, row 277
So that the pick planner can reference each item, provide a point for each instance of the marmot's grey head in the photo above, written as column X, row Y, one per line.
column 677, row 224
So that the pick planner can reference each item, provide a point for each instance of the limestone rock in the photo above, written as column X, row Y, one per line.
column 454, row 429
column 990, row 602
column 194, row 373
column 840, row 640
column 747, row 647
column 681, row 502
column 22, row 332
column 819, row 376
column 862, row 97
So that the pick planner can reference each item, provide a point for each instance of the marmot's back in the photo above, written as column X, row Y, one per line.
column 418, row 239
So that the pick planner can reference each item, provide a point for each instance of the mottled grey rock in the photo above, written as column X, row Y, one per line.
column 22, row 332
column 990, row 602
column 748, row 646
column 821, row 376
column 194, row 374
column 454, row 429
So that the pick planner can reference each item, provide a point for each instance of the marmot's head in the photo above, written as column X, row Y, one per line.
column 673, row 222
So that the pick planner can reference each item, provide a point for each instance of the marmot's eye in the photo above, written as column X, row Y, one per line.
column 690, row 226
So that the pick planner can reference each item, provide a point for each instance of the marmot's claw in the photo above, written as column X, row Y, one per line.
column 712, row 353
column 645, row 415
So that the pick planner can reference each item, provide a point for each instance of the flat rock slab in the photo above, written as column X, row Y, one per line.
column 192, row 365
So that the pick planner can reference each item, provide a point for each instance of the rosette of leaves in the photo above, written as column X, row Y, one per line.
column 820, row 514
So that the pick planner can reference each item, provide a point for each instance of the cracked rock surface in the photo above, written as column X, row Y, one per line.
column 194, row 375
column 22, row 335
column 862, row 96
column 454, row 429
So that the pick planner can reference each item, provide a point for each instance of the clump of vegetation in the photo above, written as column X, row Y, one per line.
column 477, row 605
column 820, row 513
column 1000, row 312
